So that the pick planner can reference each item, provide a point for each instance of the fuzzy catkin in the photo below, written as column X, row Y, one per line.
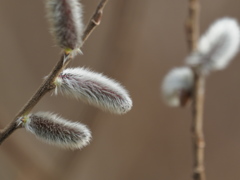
column 57, row 131
column 65, row 17
column 217, row 47
column 177, row 86
column 94, row 88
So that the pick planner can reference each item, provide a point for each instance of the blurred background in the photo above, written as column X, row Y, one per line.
column 137, row 43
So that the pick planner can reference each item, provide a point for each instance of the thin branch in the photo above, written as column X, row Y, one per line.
column 197, row 129
column 95, row 20
column 192, row 24
column 48, row 83
column 43, row 89
column 192, row 30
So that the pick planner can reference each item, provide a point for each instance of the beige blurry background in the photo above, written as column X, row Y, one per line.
column 138, row 42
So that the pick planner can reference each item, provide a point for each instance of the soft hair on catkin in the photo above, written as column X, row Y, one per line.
column 176, row 84
column 56, row 130
column 94, row 88
column 65, row 18
column 217, row 47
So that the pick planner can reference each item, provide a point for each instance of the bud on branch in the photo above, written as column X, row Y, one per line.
column 56, row 130
column 65, row 18
column 94, row 88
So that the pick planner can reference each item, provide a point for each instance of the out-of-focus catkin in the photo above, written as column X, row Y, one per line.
column 177, row 86
column 217, row 47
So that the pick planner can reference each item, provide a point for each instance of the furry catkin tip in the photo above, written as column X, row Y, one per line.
column 177, row 86
column 56, row 130
column 217, row 47
column 94, row 88
column 65, row 17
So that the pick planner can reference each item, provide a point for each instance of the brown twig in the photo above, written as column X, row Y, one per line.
column 192, row 29
column 95, row 20
column 48, row 83
column 192, row 24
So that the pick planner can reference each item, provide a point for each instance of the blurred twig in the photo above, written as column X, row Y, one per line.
column 192, row 29
column 48, row 83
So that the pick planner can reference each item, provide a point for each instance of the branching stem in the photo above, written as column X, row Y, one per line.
column 48, row 83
